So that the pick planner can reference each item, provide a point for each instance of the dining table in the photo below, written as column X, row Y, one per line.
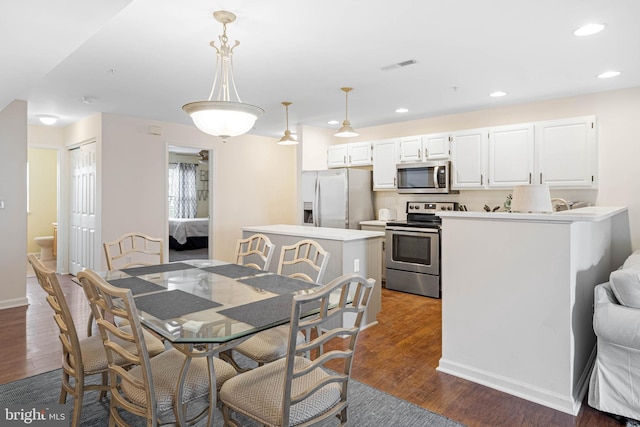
column 205, row 307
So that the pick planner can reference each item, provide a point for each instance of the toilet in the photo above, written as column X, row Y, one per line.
column 46, row 247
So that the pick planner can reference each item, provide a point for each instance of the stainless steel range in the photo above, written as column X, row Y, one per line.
column 413, row 249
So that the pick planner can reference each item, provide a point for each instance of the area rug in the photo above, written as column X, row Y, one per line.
column 368, row 407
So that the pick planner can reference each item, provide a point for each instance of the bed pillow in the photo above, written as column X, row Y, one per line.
column 625, row 284
column 632, row 260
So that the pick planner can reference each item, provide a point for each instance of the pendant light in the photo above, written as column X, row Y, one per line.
column 346, row 131
column 287, row 139
column 226, row 116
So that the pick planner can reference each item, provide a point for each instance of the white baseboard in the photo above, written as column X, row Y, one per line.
column 565, row 403
column 11, row 303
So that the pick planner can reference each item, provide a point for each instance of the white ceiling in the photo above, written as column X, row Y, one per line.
column 55, row 52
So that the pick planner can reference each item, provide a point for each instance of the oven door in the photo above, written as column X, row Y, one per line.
column 413, row 249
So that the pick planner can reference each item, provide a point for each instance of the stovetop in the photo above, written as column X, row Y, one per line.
column 423, row 214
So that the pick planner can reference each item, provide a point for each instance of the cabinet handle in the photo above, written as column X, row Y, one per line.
column 540, row 177
column 349, row 158
column 419, row 154
column 394, row 182
column 481, row 179
column 426, row 153
column 529, row 177
column 344, row 159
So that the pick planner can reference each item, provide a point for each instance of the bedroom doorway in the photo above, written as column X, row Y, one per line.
column 189, row 203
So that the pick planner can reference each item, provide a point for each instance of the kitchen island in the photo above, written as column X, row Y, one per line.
column 517, row 297
column 352, row 251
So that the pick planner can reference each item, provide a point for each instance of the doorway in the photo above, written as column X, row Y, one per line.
column 42, row 205
column 189, row 203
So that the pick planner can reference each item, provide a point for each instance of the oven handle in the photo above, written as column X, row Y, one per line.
column 415, row 230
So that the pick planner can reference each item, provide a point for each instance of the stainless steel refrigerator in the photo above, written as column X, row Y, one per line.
column 337, row 198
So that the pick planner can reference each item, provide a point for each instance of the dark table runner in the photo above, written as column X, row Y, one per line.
column 160, row 268
column 265, row 312
column 278, row 284
column 136, row 284
column 174, row 303
column 233, row 270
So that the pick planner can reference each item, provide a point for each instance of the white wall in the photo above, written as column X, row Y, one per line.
column 13, row 217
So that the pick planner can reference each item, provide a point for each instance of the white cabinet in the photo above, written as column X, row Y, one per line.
column 353, row 154
column 411, row 149
column 425, row 147
column 385, row 157
column 469, row 159
column 511, row 155
column 567, row 153
column 436, row 146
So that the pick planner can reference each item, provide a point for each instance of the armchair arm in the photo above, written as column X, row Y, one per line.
column 615, row 323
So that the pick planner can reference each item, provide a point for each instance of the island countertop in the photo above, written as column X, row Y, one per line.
column 326, row 233
column 591, row 213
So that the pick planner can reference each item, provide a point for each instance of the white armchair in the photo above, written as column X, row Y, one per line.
column 615, row 380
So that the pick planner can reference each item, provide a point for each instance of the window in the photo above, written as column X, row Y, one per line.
column 183, row 201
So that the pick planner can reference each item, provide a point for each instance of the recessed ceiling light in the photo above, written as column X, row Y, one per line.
column 47, row 119
column 402, row 110
column 497, row 94
column 88, row 100
column 333, row 122
column 608, row 74
column 589, row 29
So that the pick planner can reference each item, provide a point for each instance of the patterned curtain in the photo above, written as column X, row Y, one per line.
column 183, row 201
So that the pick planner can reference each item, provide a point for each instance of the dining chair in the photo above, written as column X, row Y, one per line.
column 271, row 344
column 255, row 251
column 169, row 388
column 134, row 250
column 81, row 358
column 298, row 390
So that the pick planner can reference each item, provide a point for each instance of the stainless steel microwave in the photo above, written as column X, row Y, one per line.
column 424, row 177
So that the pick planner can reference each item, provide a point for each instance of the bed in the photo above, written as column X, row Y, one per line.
column 188, row 233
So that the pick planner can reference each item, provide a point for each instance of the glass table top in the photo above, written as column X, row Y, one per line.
column 209, row 301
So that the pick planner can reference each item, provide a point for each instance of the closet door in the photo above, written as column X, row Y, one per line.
column 82, row 231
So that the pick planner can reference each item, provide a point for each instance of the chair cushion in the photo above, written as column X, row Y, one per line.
column 269, row 345
column 165, row 369
column 258, row 393
column 625, row 284
column 94, row 356
column 632, row 260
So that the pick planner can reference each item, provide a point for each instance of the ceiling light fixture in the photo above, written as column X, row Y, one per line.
column 608, row 74
column 333, row 122
column 47, row 119
column 497, row 94
column 402, row 110
column 227, row 116
column 589, row 29
column 346, row 131
column 287, row 139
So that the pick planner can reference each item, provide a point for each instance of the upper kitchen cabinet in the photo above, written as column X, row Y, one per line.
column 425, row 147
column 385, row 156
column 511, row 155
column 468, row 159
column 436, row 146
column 352, row 154
column 567, row 153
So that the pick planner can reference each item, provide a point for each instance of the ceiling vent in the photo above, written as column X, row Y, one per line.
column 399, row 65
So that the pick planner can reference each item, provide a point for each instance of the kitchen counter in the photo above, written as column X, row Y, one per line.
column 517, row 298
column 309, row 232
column 591, row 213
column 374, row 222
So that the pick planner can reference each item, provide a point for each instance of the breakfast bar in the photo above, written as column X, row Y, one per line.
column 517, row 298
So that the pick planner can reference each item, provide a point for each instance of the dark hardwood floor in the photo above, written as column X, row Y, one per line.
column 398, row 356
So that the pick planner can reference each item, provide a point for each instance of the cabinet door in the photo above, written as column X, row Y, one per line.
column 359, row 154
column 468, row 158
column 511, row 155
column 385, row 157
column 337, row 156
column 567, row 153
column 436, row 146
column 411, row 149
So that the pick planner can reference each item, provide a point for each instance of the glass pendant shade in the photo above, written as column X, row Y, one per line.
column 223, row 117
column 346, row 131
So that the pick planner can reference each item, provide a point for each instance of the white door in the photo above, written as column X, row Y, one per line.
column 411, row 149
column 511, row 155
column 360, row 154
column 82, row 230
column 436, row 146
column 385, row 158
column 468, row 158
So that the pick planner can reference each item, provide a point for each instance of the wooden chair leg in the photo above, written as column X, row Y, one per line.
column 77, row 410
column 63, row 391
column 105, row 382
